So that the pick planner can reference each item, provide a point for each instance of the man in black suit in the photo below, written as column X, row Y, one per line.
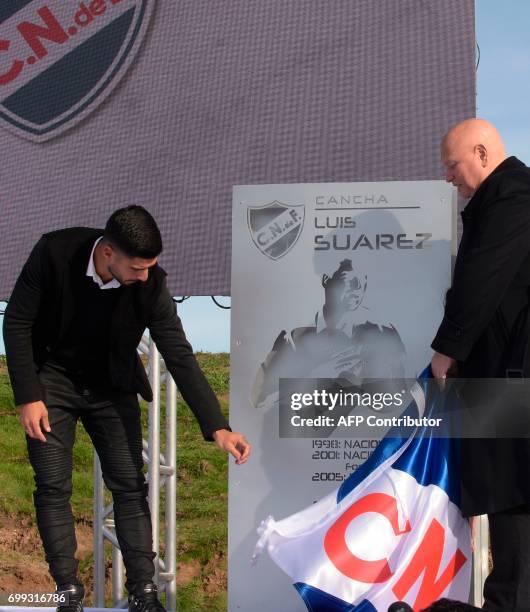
column 71, row 328
column 481, row 332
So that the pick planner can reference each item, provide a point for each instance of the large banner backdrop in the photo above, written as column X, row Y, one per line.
column 328, row 281
column 105, row 103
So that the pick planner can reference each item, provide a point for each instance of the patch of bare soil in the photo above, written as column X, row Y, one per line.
column 212, row 575
column 22, row 565
column 186, row 572
column 215, row 576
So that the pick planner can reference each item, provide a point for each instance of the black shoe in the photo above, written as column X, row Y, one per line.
column 76, row 594
column 144, row 598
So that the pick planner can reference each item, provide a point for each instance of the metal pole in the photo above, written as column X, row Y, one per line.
column 99, row 543
column 171, row 493
column 117, row 576
column 480, row 558
column 154, row 451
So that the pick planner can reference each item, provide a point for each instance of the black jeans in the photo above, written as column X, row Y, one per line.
column 112, row 420
column 507, row 588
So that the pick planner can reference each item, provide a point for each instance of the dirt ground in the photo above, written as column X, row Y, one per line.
column 24, row 570
column 22, row 565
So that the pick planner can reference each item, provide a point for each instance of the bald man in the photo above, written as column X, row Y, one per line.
column 484, row 324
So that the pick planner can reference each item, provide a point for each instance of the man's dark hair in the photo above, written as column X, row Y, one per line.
column 134, row 231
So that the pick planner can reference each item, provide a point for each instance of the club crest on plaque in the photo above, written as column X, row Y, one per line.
column 275, row 227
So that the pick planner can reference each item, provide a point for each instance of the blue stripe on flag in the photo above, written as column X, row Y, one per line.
column 384, row 451
column 442, row 468
column 317, row 600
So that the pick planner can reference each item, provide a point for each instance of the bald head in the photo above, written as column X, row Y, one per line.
column 471, row 150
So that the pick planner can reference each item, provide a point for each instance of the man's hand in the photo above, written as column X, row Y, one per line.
column 234, row 443
column 34, row 418
column 442, row 366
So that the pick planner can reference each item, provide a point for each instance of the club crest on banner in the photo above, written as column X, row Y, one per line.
column 59, row 60
column 275, row 227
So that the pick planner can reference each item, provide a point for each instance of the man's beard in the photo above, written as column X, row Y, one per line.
column 119, row 278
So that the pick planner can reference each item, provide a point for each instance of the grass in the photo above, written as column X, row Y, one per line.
column 201, row 490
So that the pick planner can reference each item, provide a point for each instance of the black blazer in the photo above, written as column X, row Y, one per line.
column 41, row 309
column 492, row 273
column 488, row 297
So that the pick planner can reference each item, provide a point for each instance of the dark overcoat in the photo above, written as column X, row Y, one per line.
column 484, row 307
column 42, row 307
